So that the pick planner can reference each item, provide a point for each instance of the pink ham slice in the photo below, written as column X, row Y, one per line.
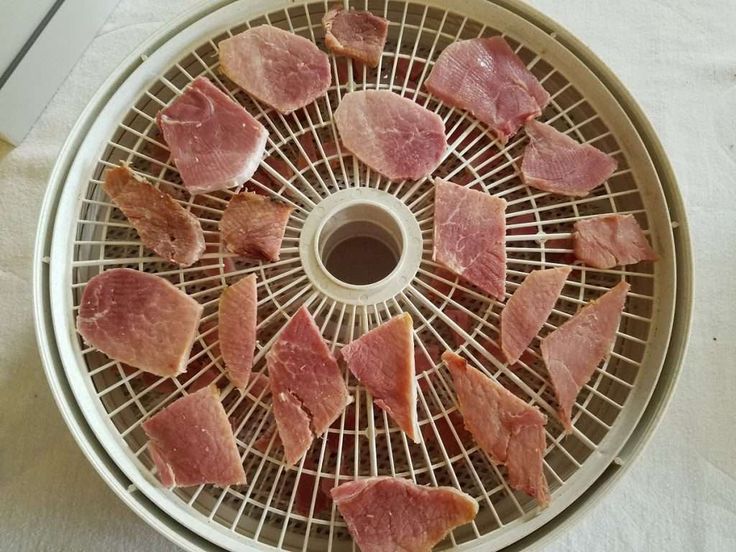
column 279, row 68
column 469, row 236
column 485, row 77
column 192, row 443
column 528, row 309
column 253, row 226
column 510, row 431
column 572, row 352
column 391, row 514
column 237, row 329
column 611, row 240
column 307, row 387
column 139, row 319
column 391, row 134
column 553, row 162
column 383, row 361
column 163, row 225
column 357, row 34
column 215, row 143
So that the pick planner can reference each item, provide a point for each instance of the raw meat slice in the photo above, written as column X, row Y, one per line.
column 470, row 236
column 383, row 361
column 163, row 225
column 253, row 226
column 610, row 240
column 510, row 431
column 391, row 134
column 528, row 309
column 307, row 387
column 357, row 34
column 139, row 319
column 237, row 329
column 192, row 443
column 485, row 77
column 390, row 514
column 279, row 68
column 554, row 162
column 572, row 352
column 215, row 143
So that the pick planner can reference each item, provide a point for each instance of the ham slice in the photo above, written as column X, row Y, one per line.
column 215, row 143
column 485, row 77
column 611, row 240
column 553, row 162
column 391, row 134
column 470, row 234
column 383, row 361
column 237, row 329
column 572, row 352
column 507, row 429
column 139, row 319
column 356, row 34
column 164, row 226
column 528, row 309
column 390, row 514
column 192, row 443
column 279, row 68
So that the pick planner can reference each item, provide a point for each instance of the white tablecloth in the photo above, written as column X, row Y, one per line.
column 677, row 58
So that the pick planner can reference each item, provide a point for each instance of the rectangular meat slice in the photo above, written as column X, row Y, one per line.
column 237, row 329
column 357, row 34
column 611, row 240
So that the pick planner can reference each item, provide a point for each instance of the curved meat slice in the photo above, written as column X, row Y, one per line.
column 237, row 329
column 611, row 240
column 573, row 350
column 215, row 142
column 485, row 77
column 279, row 68
column 510, row 431
column 139, row 319
column 391, row 134
column 388, row 513
column 356, row 34
column 470, row 236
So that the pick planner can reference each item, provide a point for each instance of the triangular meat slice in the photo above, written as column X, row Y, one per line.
column 510, row 431
column 611, row 240
column 237, row 329
column 391, row 514
column 356, row 34
column 383, row 361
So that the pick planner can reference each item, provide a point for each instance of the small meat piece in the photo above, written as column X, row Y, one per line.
column 611, row 240
column 139, row 319
column 383, row 361
column 390, row 514
column 572, row 352
column 192, row 443
column 307, row 387
column 279, row 68
column 391, row 134
column 470, row 236
column 237, row 329
column 253, row 226
column 528, row 309
column 507, row 429
column 215, row 143
column 485, row 77
column 553, row 162
column 356, row 34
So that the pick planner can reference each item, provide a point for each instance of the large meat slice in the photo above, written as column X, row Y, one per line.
column 610, row 240
column 383, row 361
column 163, row 225
column 573, row 350
column 279, row 68
column 485, row 77
column 554, row 162
column 390, row 514
column 510, row 431
column 253, row 226
column 237, row 329
column 391, row 134
column 192, row 443
column 215, row 143
column 139, row 319
column 470, row 236
column 528, row 309
column 356, row 34
column 307, row 387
